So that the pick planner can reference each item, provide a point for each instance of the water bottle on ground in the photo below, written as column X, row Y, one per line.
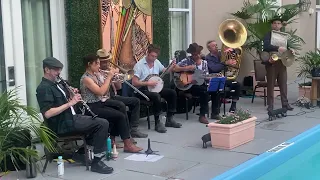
column 60, row 166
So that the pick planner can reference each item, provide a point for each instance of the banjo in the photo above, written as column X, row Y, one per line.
column 157, row 78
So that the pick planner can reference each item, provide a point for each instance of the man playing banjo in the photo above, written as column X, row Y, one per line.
column 149, row 65
column 276, row 70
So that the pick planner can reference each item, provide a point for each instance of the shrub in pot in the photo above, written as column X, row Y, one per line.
column 233, row 130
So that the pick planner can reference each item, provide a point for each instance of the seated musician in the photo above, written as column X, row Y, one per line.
column 142, row 69
column 190, row 64
column 214, row 66
column 60, row 116
column 132, row 102
column 93, row 90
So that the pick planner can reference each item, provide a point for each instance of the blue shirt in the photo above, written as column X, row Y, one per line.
column 214, row 65
column 142, row 70
column 189, row 61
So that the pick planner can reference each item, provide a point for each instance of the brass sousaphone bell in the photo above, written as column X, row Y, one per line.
column 232, row 33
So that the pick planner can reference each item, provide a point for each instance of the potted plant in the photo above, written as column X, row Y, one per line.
column 19, row 125
column 233, row 130
column 309, row 64
column 305, row 89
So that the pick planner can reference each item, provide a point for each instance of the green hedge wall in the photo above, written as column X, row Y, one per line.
column 160, row 24
column 83, row 34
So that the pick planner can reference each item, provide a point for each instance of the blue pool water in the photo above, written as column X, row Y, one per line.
column 295, row 159
column 303, row 166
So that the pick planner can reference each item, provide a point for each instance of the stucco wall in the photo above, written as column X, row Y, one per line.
column 208, row 14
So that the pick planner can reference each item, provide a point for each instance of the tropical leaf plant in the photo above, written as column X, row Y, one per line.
column 257, row 17
column 19, row 124
column 308, row 62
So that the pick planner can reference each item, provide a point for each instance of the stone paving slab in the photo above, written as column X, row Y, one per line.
column 184, row 157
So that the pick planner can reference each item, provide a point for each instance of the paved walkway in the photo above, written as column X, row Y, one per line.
column 184, row 157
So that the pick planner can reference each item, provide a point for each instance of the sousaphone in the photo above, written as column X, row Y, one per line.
column 233, row 34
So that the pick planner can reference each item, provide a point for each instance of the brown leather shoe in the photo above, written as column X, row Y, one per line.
column 203, row 120
column 130, row 147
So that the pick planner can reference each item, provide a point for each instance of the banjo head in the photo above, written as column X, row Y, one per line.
column 158, row 87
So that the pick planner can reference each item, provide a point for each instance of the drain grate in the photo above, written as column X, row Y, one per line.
column 280, row 147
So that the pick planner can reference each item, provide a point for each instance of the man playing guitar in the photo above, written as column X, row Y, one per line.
column 215, row 66
column 142, row 69
column 190, row 64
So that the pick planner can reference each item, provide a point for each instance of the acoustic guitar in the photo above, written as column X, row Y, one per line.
column 185, row 80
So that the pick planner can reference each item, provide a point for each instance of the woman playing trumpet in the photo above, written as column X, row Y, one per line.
column 93, row 88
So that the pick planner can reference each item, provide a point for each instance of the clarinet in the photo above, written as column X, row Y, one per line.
column 70, row 89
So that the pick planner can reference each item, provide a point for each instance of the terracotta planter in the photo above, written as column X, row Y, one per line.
column 305, row 91
column 229, row 136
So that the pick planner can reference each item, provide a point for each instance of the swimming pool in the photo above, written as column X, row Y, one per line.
column 295, row 159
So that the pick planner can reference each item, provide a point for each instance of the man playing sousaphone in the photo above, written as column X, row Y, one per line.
column 215, row 66
column 132, row 102
column 275, row 69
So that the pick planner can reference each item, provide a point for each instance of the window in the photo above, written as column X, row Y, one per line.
column 3, row 84
column 180, row 24
column 318, row 2
column 37, row 43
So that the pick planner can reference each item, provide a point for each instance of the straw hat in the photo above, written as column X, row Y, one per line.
column 104, row 55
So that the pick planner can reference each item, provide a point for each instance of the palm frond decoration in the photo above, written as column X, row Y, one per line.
column 19, row 124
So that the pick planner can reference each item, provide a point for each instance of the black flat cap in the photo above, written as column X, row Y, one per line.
column 51, row 62
column 276, row 18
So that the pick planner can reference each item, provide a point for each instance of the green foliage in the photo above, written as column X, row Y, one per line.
column 233, row 118
column 17, row 124
column 257, row 17
column 308, row 62
column 83, row 34
column 160, row 31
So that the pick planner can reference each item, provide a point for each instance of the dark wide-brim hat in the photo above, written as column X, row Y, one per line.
column 51, row 62
column 276, row 18
column 194, row 48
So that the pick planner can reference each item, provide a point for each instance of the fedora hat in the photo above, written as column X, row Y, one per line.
column 194, row 48
column 104, row 55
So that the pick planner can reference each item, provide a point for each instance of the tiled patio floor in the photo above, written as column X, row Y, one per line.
column 184, row 157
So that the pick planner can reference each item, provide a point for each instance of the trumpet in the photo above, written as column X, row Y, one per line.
column 123, row 77
column 118, row 77
column 72, row 93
